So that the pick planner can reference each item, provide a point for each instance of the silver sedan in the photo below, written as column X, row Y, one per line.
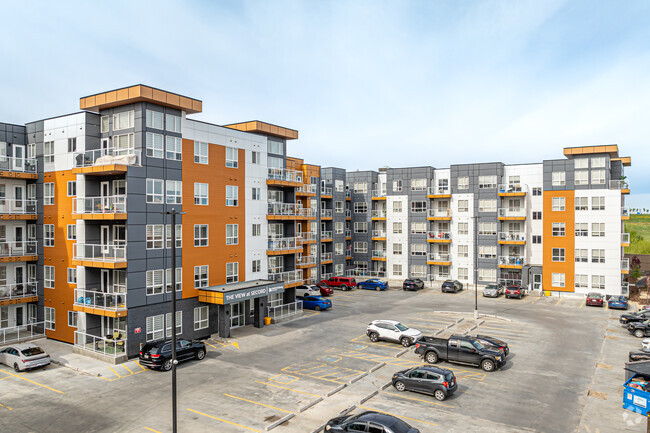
column 23, row 357
column 493, row 291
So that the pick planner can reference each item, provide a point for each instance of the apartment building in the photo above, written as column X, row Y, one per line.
column 335, row 218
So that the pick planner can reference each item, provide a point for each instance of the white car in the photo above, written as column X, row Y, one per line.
column 645, row 345
column 307, row 290
column 23, row 357
column 392, row 330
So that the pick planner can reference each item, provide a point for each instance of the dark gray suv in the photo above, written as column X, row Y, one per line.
column 440, row 382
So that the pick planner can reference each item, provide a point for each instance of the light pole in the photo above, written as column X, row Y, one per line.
column 475, row 267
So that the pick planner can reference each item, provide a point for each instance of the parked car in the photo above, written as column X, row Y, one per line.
column 158, row 354
column 343, row 283
column 369, row 422
column 452, row 286
column 307, row 290
column 639, row 329
column 439, row 382
column 460, row 349
column 23, row 357
column 324, row 290
column 514, row 291
column 639, row 356
column 645, row 345
column 493, row 291
column 493, row 343
column 373, row 284
column 637, row 316
column 392, row 330
column 595, row 299
column 316, row 303
column 618, row 302
column 413, row 284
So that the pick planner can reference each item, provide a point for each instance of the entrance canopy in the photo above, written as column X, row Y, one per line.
column 236, row 292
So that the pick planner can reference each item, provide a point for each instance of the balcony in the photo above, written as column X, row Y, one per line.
column 285, row 311
column 326, row 213
column 378, row 213
column 112, row 349
column 439, row 236
column 442, row 259
column 101, row 162
column 625, row 239
column 99, row 208
column 439, row 191
column 348, row 194
column 287, row 211
column 290, row 278
column 326, row 258
column 306, row 237
column 19, row 293
column 24, row 251
column 99, row 256
column 326, row 191
column 18, row 168
column 625, row 266
column 365, row 273
column 110, row 304
column 439, row 214
column 306, row 189
column 625, row 213
column 348, row 214
column 12, row 209
column 326, row 236
column 512, row 190
column 279, row 245
column 512, row 238
column 306, row 261
column 512, row 214
column 511, row 262
column 348, row 233
column 378, row 194
column 284, row 177
column 379, row 234
column 379, row 255
column 623, row 185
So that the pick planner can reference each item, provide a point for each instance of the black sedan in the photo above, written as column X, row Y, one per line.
column 639, row 356
column 369, row 422
column 493, row 343
column 158, row 354
column 452, row 286
column 639, row 329
column 413, row 284
column 439, row 382
column 638, row 316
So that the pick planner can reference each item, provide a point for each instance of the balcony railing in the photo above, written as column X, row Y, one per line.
column 99, row 205
column 325, row 190
column 22, row 165
column 288, row 209
column 99, row 253
column 105, row 300
column 625, row 238
column 439, row 235
column 326, row 234
column 326, row 213
column 512, row 212
column 439, row 212
column 625, row 265
column 348, row 213
column 348, row 193
column 17, row 207
column 378, row 193
column 439, row 257
column 306, row 260
column 379, row 233
column 434, row 190
column 379, row 253
column 324, row 257
column 365, row 273
column 511, row 260
column 105, row 346
column 619, row 184
column 284, row 174
column 97, row 157
column 307, row 187
column 625, row 211
column 512, row 188
column 18, row 290
column 18, row 249
column 512, row 236
column 280, row 243
column 285, row 310
column 348, row 233
column 510, row 281
column 306, row 236
column 289, row 277
column 22, row 332
column 379, row 213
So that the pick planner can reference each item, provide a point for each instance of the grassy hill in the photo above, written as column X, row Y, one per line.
column 639, row 229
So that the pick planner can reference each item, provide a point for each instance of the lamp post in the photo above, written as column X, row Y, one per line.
column 475, row 267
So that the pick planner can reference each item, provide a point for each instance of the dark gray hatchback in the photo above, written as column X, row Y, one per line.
column 440, row 382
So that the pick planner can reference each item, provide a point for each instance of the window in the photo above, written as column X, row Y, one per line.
column 598, row 162
column 200, row 235
column 463, row 274
column 173, row 123
column 256, row 266
column 200, row 318
column 463, row 228
column 339, row 248
column 361, row 247
column 487, row 229
column 339, row 228
column 397, row 206
column 174, row 192
column 154, row 119
column 50, row 318
column 72, row 232
column 72, row 275
column 418, row 184
column 360, row 207
column 154, row 236
column 155, row 192
column 168, row 236
column 397, row 187
column 179, row 279
column 123, row 120
column 598, row 282
column 582, row 203
column 557, row 280
column 154, row 282
column 154, row 145
column 597, row 203
column 558, row 254
column 537, row 191
column 200, row 276
column 174, row 148
column 155, row 327
column 537, row 215
column 200, row 152
column 72, row 319
column 232, row 234
column 487, row 205
column 419, row 228
column 487, row 252
column 597, row 177
column 598, row 256
column 581, row 163
column 123, row 143
column 558, row 204
column 582, row 281
column 179, row 324
column 48, row 272
column 463, row 182
column 104, row 123
column 537, row 239
column 48, row 193
column 255, row 157
column 397, row 228
column 418, row 206
column 31, row 232
column 256, row 230
column 232, row 155
column 581, row 256
column 360, row 227
column 582, row 229
column 48, row 235
column 232, row 272
column 418, row 271
column 201, row 194
column 485, row 182
column 558, row 229
column 418, row 249
column 276, row 147
column 558, row 178
column 397, row 249
column 48, row 151
column 338, row 206
column 339, row 185
column 582, row 177
column 598, row 229
column 360, row 187
column 463, row 251
column 397, row 270
column 485, row 274
column 72, row 188
column 232, row 195
column 463, row 205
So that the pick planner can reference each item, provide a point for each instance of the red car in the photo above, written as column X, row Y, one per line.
column 343, row 283
column 514, row 291
column 324, row 290
column 595, row 299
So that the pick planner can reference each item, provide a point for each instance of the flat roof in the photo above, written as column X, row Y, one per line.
column 140, row 93
column 255, row 126
column 612, row 149
column 242, row 285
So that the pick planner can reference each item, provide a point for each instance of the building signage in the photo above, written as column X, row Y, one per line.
column 252, row 293
column 138, row 330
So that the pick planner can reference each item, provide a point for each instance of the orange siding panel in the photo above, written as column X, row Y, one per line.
column 567, row 242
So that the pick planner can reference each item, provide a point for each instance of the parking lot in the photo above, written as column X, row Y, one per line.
column 322, row 364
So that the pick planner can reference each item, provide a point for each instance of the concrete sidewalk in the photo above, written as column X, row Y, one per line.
column 62, row 354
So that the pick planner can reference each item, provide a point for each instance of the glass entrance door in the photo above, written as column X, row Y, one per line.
column 237, row 315
column 19, row 157
column 537, row 281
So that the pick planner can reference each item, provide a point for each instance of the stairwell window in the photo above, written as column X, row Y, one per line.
column 48, row 151
column 463, row 228
column 232, row 157
column 232, row 195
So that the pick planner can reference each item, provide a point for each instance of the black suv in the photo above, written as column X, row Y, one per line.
column 452, row 286
column 158, row 354
column 413, row 284
column 440, row 382
column 369, row 422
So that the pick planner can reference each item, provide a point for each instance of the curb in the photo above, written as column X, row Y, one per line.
column 401, row 353
column 348, row 410
column 304, row 408
column 66, row 365
column 319, row 428
column 359, row 377
column 335, row 390
column 368, row 397
column 280, row 421
column 377, row 367
column 386, row 385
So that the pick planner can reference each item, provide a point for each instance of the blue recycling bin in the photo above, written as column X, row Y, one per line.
column 635, row 399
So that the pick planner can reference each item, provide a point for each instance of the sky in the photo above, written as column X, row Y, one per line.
column 367, row 84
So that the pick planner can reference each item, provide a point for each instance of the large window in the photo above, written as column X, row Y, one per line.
column 360, row 207
column 397, row 270
column 200, row 235
column 361, row 227
column 397, row 249
column 581, row 255
column 557, row 280
column 155, row 327
column 339, row 227
column 487, row 252
column 339, row 185
column 155, row 282
column 232, row 195
column 155, row 145
column 179, row 324
column 397, row 187
column 463, row 251
column 418, row 271
column 232, row 272
column 597, row 177
column 485, row 182
column 154, row 119
column 598, row 203
column 582, row 281
column 339, row 248
column 598, row 282
column 419, row 228
column 397, row 228
column 232, row 234
column 558, row 229
column 418, row 184
column 598, row 162
column 582, row 177
column 275, row 147
column 201, row 194
column 579, row 163
column 48, row 277
column 360, row 187
column 558, row 204
column 200, row 276
column 558, row 178
column 232, row 157
column 201, row 318
column 154, row 236
column 361, row 247
column 48, row 235
column 173, row 123
column 598, row 256
column 155, row 193
column 558, row 254
column 418, row 249
column 418, row 206
column 463, row 228
column 487, row 205
column 463, row 182
column 48, row 193
column 200, row 152
column 485, row 274
column 582, row 203
column 174, row 192
column 487, row 229
column 397, row 206
column 48, row 151
column 123, row 120
column 174, row 148
column 598, row 229
column 582, row 229
column 50, row 318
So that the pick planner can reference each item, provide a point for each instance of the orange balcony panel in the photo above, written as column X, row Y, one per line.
column 9, row 216
column 99, row 216
column 101, row 170
column 13, row 259
column 99, row 311
column 510, row 266
column 98, row 264
column 21, row 300
column 512, row 218
column 283, row 252
column 287, row 183
column 379, row 259
column 439, row 241
column 439, row 196
column 18, row 175
column 438, row 263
